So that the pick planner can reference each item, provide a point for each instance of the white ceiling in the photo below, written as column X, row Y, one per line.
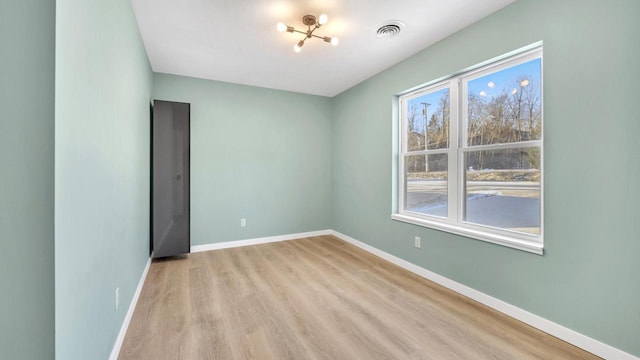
column 237, row 41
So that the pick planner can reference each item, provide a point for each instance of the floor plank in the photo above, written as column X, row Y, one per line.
column 317, row 298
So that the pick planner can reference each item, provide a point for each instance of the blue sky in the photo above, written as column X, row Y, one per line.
column 431, row 98
column 504, row 80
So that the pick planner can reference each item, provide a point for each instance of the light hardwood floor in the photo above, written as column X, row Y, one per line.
column 317, row 298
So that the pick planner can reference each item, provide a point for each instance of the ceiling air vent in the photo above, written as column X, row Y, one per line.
column 389, row 29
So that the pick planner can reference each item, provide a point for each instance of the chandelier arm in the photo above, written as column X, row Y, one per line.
column 310, row 31
column 319, row 37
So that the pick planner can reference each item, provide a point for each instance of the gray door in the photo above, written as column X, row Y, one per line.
column 170, row 178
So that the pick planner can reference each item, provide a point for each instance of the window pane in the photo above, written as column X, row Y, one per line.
column 428, row 117
column 502, row 189
column 505, row 106
column 426, row 184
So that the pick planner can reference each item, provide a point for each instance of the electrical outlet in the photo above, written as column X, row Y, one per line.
column 418, row 241
column 117, row 298
column 243, row 222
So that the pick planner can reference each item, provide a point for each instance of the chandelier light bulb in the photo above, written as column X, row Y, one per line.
column 322, row 19
column 281, row 27
column 335, row 41
column 297, row 48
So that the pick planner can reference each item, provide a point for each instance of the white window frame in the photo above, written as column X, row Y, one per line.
column 458, row 146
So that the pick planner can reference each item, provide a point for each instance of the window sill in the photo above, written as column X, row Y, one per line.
column 529, row 246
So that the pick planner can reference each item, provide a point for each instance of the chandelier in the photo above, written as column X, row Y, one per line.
column 312, row 24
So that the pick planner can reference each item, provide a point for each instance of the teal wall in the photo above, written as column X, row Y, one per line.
column 26, row 179
column 259, row 154
column 292, row 163
column 588, row 278
column 103, row 91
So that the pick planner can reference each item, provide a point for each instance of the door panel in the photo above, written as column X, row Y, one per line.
column 170, row 194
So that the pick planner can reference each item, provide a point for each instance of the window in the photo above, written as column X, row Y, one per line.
column 470, row 158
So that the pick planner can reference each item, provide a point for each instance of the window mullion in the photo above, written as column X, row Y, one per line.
column 454, row 139
column 462, row 138
column 512, row 145
column 427, row 152
column 402, row 191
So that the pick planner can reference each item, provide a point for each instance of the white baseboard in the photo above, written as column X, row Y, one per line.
column 573, row 337
column 115, row 351
column 263, row 240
